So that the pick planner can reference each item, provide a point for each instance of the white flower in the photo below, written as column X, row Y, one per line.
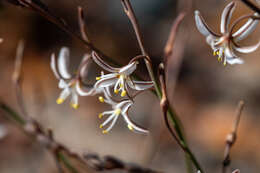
column 225, row 43
column 70, row 85
column 119, row 78
column 120, row 108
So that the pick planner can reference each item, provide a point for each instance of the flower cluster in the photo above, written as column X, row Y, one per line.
column 117, row 81
column 225, row 43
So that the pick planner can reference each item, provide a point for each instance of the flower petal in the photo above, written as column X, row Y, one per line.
column 63, row 84
column 231, row 58
column 53, row 66
column 129, row 69
column 124, row 106
column 65, row 93
column 246, row 29
column 81, row 91
column 106, row 82
column 226, row 16
column 63, row 63
column 202, row 26
column 103, row 64
column 247, row 49
column 133, row 126
column 140, row 85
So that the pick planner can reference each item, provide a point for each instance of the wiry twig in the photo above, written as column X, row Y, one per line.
column 251, row 6
column 40, row 8
column 168, row 49
column 231, row 137
column 82, row 24
column 165, row 106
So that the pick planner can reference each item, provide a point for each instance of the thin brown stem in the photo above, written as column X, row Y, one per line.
column 231, row 137
column 251, row 6
column 82, row 25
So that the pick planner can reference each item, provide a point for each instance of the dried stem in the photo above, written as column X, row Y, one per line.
column 82, row 24
column 165, row 106
column 231, row 137
column 251, row 6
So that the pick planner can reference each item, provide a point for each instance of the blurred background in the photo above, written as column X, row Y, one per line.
column 205, row 96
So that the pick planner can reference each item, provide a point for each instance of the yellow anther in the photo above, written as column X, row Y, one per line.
column 130, row 127
column 123, row 93
column 98, row 78
column 101, row 126
column 217, row 52
column 100, row 115
column 225, row 63
column 121, row 85
column 75, row 106
column 118, row 111
column 104, row 131
column 59, row 101
column 101, row 99
column 116, row 91
column 214, row 53
column 219, row 59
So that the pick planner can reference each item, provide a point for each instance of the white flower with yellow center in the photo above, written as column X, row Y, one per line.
column 226, row 42
column 120, row 108
column 119, row 78
column 69, row 84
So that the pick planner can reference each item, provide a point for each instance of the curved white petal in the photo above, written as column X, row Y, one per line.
column 132, row 125
column 81, row 92
column 226, row 16
column 124, row 105
column 103, row 64
column 247, row 49
column 63, row 63
column 202, row 26
column 246, row 29
column 63, row 84
column 74, row 98
column 53, row 66
column 106, row 82
column 140, row 85
column 231, row 58
column 129, row 69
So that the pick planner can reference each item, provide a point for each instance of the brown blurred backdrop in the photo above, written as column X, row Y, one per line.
column 205, row 96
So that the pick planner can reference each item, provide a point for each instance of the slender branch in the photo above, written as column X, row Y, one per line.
column 251, row 6
column 231, row 137
column 82, row 24
column 165, row 106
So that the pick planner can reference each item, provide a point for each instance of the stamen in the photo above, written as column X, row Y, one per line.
column 118, row 111
column 98, row 78
column 75, row 106
column 225, row 63
column 101, row 126
column 130, row 127
column 116, row 91
column 101, row 99
column 123, row 93
column 219, row 59
column 59, row 101
column 104, row 131
column 100, row 115
column 121, row 85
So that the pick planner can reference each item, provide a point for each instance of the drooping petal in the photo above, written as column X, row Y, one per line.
column 226, row 16
column 133, row 126
column 231, row 58
column 53, row 66
column 63, row 63
column 129, row 69
column 63, row 84
column 82, row 92
column 124, row 106
column 103, row 64
column 202, row 26
column 247, row 49
column 246, row 29
column 140, row 85
column 106, row 82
